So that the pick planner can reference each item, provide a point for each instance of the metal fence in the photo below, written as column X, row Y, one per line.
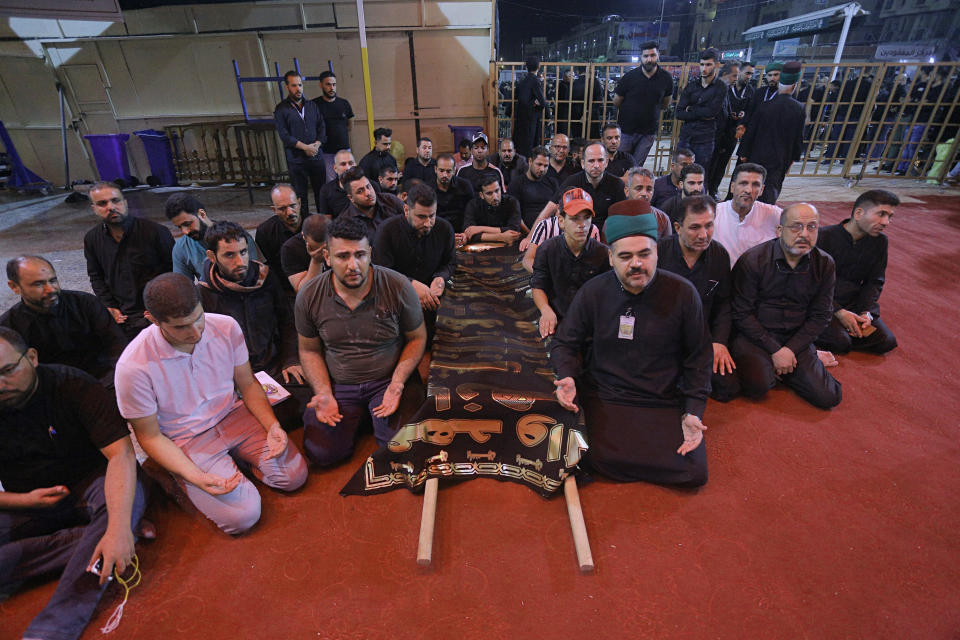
column 864, row 120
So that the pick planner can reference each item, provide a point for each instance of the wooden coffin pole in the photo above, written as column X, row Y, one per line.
column 580, row 540
column 427, row 520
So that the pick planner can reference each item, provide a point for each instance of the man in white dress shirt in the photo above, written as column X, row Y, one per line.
column 743, row 222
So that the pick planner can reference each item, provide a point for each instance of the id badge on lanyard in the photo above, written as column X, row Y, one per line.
column 626, row 325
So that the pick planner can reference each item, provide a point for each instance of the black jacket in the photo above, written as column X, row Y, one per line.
column 293, row 128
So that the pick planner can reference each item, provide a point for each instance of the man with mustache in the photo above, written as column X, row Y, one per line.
column 280, row 227
column 453, row 193
column 361, row 336
column 744, row 222
column 566, row 261
column 643, row 381
column 691, row 253
column 302, row 130
column 123, row 253
column 65, row 327
column 692, row 183
column 641, row 95
column 492, row 216
column 368, row 205
column 189, row 251
column 782, row 301
column 858, row 246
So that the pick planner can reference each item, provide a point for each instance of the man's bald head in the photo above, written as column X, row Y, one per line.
column 798, row 229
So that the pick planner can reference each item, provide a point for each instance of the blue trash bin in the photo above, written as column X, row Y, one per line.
column 110, row 154
column 463, row 132
column 160, row 156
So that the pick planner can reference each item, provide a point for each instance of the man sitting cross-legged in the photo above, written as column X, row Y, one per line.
column 177, row 385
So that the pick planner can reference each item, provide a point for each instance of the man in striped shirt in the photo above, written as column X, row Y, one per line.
column 543, row 231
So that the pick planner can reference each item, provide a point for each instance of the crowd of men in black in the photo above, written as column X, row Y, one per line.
column 646, row 311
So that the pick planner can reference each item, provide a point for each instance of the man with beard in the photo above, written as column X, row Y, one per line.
column 480, row 168
column 782, row 301
column 691, row 184
column 726, row 139
column 767, row 92
column 641, row 95
column 566, row 261
column 744, row 222
column 302, row 130
column 333, row 197
column 65, row 327
column 619, row 162
column 380, row 155
column 691, row 253
column 337, row 116
column 668, row 185
column 423, row 166
column 533, row 188
column 361, row 337
column 560, row 168
column 280, row 227
column 368, row 206
column 633, row 350
column 123, row 253
column 189, row 251
column 510, row 163
column 389, row 180
column 638, row 187
column 700, row 107
column 492, row 216
column 453, row 193
column 71, row 493
column 248, row 291
column 421, row 247
column 858, row 247
column 177, row 385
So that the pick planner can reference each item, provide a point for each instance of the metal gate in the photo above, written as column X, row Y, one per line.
column 864, row 120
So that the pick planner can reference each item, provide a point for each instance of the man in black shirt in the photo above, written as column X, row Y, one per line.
column 566, row 261
column 333, row 198
column 775, row 137
column 699, row 107
column 366, row 204
column 302, row 255
column 302, row 131
column 529, row 107
column 379, row 156
column 423, row 166
column 388, row 179
column 691, row 253
column 64, row 327
column 619, row 162
column 280, row 227
column 337, row 115
column 510, row 163
column 480, row 168
column 644, row 379
column 123, row 254
column 493, row 216
column 858, row 247
column 736, row 103
column 667, row 186
column 533, row 188
column 782, row 300
column 603, row 188
column 421, row 247
column 453, row 193
column 691, row 184
column 560, row 166
column 250, row 292
column 641, row 95
column 71, row 494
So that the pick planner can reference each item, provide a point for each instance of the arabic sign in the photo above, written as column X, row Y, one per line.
column 796, row 28
column 905, row 51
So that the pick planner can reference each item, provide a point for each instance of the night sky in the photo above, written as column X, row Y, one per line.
column 521, row 20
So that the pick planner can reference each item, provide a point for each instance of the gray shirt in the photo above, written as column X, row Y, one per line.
column 362, row 345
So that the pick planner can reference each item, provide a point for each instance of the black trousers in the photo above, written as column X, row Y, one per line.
column 526, row 134
column 724, row 388
column 629, row 444
column 305, row 173
column 835, row 338
column 810, row 379
column 772, row 185
column 726, row 143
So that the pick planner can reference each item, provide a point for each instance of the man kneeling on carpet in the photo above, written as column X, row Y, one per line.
column 72, row 495
column 362, row 336
column 177, row 385
column 644, row 384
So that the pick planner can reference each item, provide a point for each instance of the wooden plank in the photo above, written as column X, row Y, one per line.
column 579, row 527
column 427, row 521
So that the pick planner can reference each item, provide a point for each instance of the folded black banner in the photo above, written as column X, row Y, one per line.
column 490, row 411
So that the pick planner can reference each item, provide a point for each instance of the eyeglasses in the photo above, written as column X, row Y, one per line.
column 797, row 227
column 10, row 368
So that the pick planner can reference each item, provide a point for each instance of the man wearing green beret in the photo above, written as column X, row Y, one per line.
column 774, row 139
column 643, row 383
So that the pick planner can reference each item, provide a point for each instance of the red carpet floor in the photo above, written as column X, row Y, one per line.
column 840, row 524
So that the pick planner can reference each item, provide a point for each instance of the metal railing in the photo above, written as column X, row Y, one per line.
column 864, row 120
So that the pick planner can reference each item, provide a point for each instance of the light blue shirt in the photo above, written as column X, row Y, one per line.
column 188, row 255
